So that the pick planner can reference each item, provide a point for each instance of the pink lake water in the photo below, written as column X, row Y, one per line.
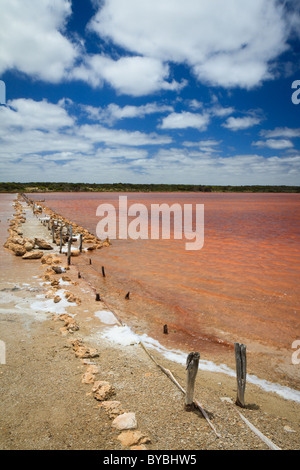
column 243, row 283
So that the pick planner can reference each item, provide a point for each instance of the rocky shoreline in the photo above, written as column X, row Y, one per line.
column 129, row 402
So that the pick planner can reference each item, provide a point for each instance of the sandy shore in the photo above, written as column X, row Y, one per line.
column 73, row 375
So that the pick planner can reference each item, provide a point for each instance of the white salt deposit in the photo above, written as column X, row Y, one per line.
column 124, row 336
column 51, row 307
column 106, row 317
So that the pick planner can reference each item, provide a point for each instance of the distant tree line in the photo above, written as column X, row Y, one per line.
column 129, row 187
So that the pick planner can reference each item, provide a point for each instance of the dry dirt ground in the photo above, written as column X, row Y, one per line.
column 45, row 405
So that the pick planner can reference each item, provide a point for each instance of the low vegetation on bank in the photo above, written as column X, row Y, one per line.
column 129, row 187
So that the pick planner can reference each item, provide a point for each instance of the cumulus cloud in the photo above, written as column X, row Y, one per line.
column 135, row 76
column 281, row 132
column 230, row 43
column 39, row 132
column 114, row 112
column 32, row 39
column 30, row 114
column 241, row 123
column 277, row 144
column 184, row 120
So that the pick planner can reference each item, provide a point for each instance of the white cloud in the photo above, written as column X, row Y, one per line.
column 37, row 133
column 97, row 134
column 27, row 113
column 221, row 111
column 230, row 43
column 276, row 144
column 184, row 120
column 281, row 132
column 31, row 38
column 236, row 124
column 113, row 112
column 135, row 76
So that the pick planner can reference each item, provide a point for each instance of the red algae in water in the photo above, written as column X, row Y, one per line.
column 244, row 282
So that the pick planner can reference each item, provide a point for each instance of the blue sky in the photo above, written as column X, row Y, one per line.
column 160, row 91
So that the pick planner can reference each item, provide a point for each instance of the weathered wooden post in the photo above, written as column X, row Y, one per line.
column 53, row 233
column 192, row 365
column 69, row 245
column 166, row 329
column 80, row 243
column 241, row 372
column 103, row 271
column 60, row 234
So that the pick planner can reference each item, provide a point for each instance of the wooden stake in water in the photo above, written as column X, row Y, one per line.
column 60, row 233
column 241, row 372
column 192, row 365
column 69, row 245
column 80, row 243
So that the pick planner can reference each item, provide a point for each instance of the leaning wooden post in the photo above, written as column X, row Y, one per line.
column 241, row 372
column 103, row 271
column 69, row 245
column 192, row 365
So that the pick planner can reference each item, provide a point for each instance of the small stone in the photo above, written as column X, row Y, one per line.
column 102, row 390
column 125, row 421
column 132, row 438
column 82, row 351
column 113, row 408
column 288, row 429
column 227, row 400
column 92, row 369
column 88, row 378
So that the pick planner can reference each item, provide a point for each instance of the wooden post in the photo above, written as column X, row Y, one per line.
column 98, row 298
column 60, row 233
column 103, row 271
column 127, row 296
column 192, row 365
column 166, row 329
column 241, row 372
column 69, row 245
column 53, row 233
column 90, row 261
column 80, row 243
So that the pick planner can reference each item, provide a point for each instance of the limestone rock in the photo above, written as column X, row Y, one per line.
column 102, row 390
column 125, row 421
column 42, row 244
column 28, row 246
column 82, row 351
column 93, row 369
column 18, row 250
column 70, row 323
column 132, row 438
column 88, row 378
column 112, row 408
column 33, row 255
column 75, row 253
